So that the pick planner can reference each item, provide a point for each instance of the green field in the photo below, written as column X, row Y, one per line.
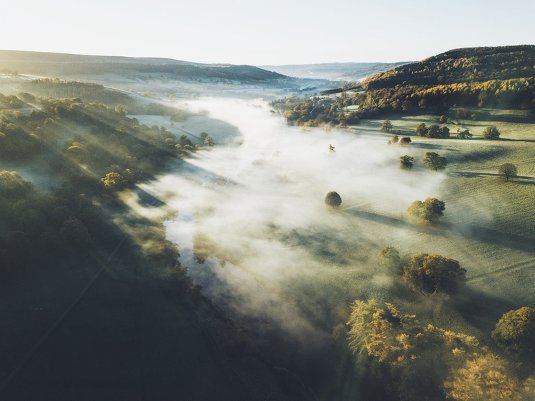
column 490, row 223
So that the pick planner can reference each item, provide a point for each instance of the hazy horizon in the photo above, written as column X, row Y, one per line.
column 260, row 33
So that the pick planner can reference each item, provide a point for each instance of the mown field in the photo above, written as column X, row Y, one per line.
column 488, row 225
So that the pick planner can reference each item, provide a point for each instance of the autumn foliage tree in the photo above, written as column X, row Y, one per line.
column 425, row 362
column 485, row 377
column 515, row 332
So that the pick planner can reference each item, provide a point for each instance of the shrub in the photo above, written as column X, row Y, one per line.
column 406, row 162
column 491, row 133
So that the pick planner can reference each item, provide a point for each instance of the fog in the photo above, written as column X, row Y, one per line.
column 251, row 224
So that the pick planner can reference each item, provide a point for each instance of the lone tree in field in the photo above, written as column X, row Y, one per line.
column 405, row 140
column 386, row 126
column 390, row 260
column 333, row 199
column 394, row 139
column 430, row 274
column 434, row 161
column 515, row 332
column 508, row 171
column 491, row 133
column 428, row 211
column 406, row 162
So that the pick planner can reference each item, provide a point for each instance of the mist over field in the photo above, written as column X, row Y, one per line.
column 177, row 230
column 256, row 210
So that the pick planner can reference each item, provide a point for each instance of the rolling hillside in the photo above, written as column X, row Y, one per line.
column 333, row 71
column 71, row 65
column 488, row 77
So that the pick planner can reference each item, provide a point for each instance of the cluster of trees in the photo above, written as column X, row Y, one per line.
column 98, row 137
column 88, row 150
column 423, row 273
column 433, row 131
column 432, row 161
column 405, row 140
column 318, row 110
column 428, row 211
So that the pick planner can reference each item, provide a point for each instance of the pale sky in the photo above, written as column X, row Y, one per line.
column 265, row 32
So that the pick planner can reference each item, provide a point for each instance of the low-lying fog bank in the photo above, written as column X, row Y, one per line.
column 252, row 226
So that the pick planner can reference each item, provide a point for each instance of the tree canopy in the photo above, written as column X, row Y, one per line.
column 428, row 211
column 508, row 171
column 333, row 199
column 431, row 274
column 434, row 161
column 515, row 332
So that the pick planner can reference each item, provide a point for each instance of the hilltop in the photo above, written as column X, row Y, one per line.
column 73, row 65
column 332, row 71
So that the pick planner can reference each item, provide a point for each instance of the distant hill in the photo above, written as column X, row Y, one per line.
column 71, row 65
column 486, row 77
column 332, row 71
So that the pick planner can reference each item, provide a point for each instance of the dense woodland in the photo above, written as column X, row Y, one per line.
column 502, row 77
column 88, row 151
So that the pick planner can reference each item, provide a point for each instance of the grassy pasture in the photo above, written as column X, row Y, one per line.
column 489, row 223
column 489, row 226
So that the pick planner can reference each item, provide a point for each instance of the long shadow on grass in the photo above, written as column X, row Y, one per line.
column 482, row 309
column 469, row 231
column 521, row 179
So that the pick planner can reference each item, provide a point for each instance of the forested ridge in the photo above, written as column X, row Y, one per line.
column 493, row 77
